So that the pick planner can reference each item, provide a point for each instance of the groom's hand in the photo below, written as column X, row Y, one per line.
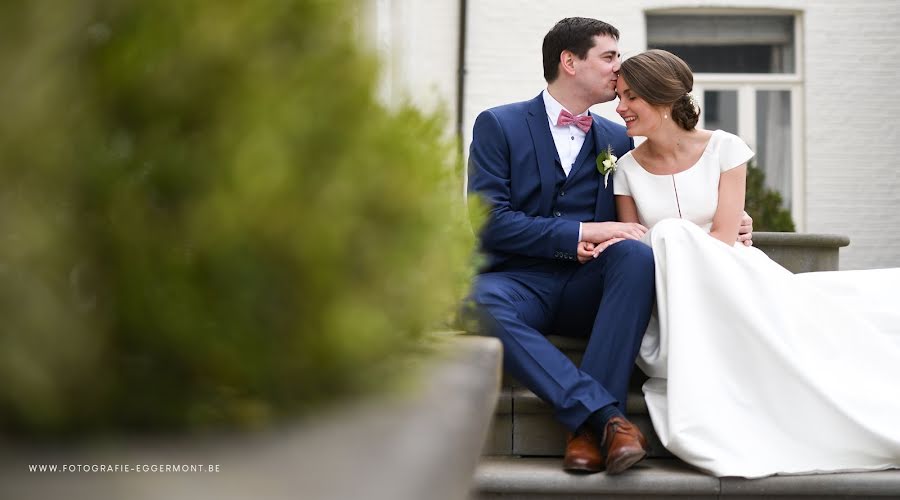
column 600, row 232
column 585, row 251
column 745, row 232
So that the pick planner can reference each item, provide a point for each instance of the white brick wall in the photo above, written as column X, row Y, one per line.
column 852, row 114
column 851, row 58
column 419, row 45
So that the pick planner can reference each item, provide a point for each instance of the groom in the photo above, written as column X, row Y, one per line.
column 534, row 165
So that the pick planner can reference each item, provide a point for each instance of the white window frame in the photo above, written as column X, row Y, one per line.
column 746, row 85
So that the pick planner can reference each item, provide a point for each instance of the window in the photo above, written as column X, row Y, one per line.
column 726, row 43
column 747, row 82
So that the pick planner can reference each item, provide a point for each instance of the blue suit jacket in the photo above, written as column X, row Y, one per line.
column 513, row 167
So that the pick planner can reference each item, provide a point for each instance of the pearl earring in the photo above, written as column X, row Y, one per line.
column 666, row 116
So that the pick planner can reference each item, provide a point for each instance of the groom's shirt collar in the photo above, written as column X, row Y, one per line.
column 553, row 108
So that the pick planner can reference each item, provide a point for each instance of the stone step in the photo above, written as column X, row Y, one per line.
column 526, row 401
column 525, row 426
column 543, row 478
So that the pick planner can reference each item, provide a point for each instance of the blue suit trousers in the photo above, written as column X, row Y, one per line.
column 608, row 300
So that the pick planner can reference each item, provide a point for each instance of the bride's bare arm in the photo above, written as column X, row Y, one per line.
column 727, row 219
column 626, row 209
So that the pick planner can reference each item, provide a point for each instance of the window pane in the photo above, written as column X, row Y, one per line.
column 720, row 110
column 726, row 43
column 731, row 59
column 773, row 136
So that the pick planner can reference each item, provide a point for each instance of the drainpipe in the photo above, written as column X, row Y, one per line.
column 461, row 71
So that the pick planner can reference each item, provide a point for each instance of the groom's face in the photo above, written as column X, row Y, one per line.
column 596, row 73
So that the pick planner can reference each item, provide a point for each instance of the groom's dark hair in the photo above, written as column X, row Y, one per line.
column 575, row 34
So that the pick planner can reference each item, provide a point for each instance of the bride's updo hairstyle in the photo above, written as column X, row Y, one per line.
column 662, row 79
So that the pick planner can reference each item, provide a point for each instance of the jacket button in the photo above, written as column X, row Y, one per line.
column 562, row 193
column 557, row 214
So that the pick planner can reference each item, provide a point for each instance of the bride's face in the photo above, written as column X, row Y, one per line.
column 641, row 118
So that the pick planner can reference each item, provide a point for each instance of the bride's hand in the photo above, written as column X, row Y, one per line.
column 745, row 231
column 606, row 244
column 588, row 251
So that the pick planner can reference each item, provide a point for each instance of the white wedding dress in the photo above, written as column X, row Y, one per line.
column 755, row 370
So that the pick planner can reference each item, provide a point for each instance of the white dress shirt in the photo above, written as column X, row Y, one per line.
column 568, row 139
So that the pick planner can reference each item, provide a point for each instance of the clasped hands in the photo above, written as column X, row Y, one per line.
column 598, row 236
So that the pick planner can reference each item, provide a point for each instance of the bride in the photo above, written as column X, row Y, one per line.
column 754, row 370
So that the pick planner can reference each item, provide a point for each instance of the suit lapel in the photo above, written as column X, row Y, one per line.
column 544, row 150
column 586, row 149
column 601, row 143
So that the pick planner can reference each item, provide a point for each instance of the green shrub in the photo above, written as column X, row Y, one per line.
column 765, row 205
column 208, row 217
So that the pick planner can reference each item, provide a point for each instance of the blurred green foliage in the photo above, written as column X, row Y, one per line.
column 207, row 216
column 765, row 205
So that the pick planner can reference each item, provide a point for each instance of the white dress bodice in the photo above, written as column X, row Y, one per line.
column 691, row 194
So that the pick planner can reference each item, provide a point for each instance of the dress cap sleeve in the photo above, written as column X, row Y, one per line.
column 733, row 152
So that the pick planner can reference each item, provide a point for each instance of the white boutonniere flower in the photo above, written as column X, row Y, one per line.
column 606, row 163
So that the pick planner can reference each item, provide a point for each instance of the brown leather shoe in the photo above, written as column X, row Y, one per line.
column 582, row 453
column 623, row 445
